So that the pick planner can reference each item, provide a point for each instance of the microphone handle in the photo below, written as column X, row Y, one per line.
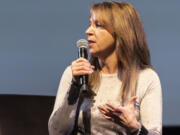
column 83, row 78
column 83, row 52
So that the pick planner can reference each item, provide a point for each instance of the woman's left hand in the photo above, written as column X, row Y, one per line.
column 123, row 115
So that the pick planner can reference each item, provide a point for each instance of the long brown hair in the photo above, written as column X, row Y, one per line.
column 131, row 46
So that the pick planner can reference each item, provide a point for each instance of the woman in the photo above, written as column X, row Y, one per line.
column 125, row 92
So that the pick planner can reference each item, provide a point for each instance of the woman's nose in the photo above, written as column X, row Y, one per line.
column 89, row 30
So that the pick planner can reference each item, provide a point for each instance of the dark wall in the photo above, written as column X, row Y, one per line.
column 25, row 115
column 28, row 115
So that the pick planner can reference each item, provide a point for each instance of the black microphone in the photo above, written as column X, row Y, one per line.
column 82, row 44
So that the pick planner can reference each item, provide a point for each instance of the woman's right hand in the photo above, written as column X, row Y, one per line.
column 81, row 66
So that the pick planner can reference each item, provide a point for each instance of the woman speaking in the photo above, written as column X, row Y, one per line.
column 124, row 96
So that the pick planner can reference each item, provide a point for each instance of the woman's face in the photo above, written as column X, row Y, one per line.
column 101, row 42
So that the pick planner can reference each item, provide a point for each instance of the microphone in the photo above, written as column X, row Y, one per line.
column 82, row 44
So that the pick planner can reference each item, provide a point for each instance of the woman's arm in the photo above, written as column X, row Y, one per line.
column 151, row 106
column 62, row 118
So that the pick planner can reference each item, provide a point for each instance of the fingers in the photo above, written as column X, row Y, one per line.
column 104, row 110
column 81, row 66
column 110, row 111
column 123, row 115
column 109, row 114
column 81, row 59
column 115, row 109
column 132, row 101
column 108, row 117
column 111, row 106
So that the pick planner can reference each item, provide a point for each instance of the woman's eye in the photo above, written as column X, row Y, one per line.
column 98, row 25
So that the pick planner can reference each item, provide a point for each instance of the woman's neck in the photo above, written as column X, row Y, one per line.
column 109, row 64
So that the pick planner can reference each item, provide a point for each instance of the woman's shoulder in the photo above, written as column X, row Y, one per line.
column 148, row 78
column 148, row 74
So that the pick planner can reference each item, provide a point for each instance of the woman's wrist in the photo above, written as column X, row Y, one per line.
column 135, row 126
column 75, row 80
column 74, row 92
column 141, row 131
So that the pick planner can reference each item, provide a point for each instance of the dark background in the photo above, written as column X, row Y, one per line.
column 38, row 40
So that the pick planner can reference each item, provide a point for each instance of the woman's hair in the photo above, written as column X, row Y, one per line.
column 123, row 21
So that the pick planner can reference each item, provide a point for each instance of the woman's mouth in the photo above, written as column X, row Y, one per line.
column 90, row 43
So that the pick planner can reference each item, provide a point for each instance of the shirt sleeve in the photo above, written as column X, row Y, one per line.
column 62, row 118
column 151, row 105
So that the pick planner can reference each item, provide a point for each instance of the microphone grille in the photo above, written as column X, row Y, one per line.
column 82, row 43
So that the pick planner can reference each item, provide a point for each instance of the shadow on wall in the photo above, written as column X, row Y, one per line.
column 28, row 115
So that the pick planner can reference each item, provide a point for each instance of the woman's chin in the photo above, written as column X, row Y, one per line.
column 91, row 51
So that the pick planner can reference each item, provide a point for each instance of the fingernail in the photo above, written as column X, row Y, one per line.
column 93, row 67
column 91, row 71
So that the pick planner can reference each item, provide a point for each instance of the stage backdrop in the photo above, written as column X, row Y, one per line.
column 38, row 41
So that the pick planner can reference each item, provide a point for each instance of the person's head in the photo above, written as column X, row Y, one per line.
column 100, row 36
column 124, row 29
